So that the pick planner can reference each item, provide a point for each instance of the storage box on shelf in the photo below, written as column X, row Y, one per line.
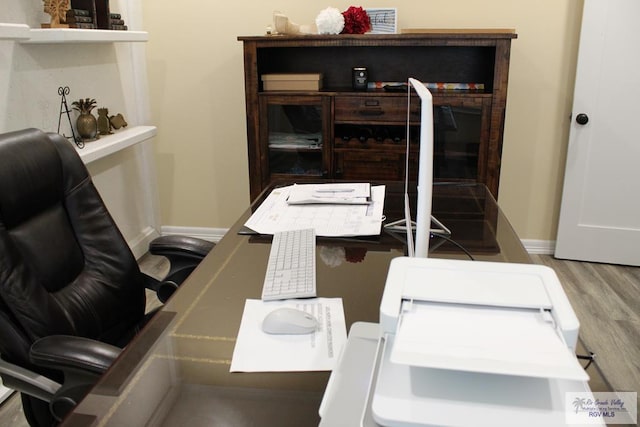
column 291, row 81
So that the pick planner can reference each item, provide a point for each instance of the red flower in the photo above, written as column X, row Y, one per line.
column 356, row 21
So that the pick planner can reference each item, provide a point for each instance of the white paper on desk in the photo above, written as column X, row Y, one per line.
column 257, row 351
column 333, row 193
column 484, row 339
column 275, row 214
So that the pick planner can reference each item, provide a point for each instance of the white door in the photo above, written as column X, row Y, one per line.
column 600, row 211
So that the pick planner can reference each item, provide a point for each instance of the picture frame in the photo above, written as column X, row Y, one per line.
column 384, row 20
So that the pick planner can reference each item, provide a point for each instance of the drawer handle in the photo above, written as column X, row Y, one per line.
column 371, row 112
column 372, row 103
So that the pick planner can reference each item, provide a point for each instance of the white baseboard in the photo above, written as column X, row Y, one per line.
column 140, row 244
column 4, row 392
column 206, row 233
column 539, row 247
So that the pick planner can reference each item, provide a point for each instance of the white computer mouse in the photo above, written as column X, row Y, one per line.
column 287, row 320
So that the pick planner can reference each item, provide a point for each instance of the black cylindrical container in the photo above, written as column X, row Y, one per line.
column 360, row 78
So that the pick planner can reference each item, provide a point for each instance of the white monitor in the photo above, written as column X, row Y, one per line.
column 425, row 173
column 424, row 219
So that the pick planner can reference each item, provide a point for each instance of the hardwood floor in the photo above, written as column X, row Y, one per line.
column 606, row 299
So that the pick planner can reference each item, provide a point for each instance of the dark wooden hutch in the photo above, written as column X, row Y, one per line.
column 361, row 135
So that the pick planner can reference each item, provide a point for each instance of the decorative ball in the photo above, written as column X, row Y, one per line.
column 330, row 21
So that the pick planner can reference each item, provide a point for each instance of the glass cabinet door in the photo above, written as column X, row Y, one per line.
column 460, row 138
column 293, row 139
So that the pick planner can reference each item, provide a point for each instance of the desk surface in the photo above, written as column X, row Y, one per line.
column 176, row 371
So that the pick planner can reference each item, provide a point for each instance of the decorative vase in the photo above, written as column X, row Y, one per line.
column 86, row 123
column 87, row 126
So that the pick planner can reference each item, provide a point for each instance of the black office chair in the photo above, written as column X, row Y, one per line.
column 71, row 292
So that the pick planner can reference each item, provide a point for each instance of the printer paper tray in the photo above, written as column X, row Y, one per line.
column 411, row 396
column 494, row 340
column 435, row 397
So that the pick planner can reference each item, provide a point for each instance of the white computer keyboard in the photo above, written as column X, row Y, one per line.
column 291, row 271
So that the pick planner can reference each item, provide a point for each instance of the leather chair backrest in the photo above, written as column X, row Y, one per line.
column 65, row 268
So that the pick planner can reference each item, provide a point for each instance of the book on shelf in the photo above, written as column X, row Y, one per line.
column 78, row 12
column 80, row 18
column 83, row 8
column 116, row 22
column 83, row 26
column 94, row 14
column 432, row 86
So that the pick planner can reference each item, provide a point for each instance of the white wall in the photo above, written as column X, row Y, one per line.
column 197, row 98
column 195, row 76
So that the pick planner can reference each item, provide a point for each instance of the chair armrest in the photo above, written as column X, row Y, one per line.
column 184, row 254
column 81, row 359
column 28, row 382
column 180, row 247
column 64, row 352
column 82, row 362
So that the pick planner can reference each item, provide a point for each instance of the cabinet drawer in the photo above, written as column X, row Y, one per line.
column 369, row 165
column 369, row 109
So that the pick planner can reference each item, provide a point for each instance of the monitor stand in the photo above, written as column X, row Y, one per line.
column 400, row 226
column 398, row 229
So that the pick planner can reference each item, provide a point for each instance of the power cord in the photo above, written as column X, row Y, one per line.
column 591, row 357
column 453, row 242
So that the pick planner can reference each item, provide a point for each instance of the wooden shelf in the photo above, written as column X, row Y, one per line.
column 14, row 31
column 75, row 35
column 110, row 144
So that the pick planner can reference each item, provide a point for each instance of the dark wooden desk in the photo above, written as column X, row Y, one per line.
column 176, row 372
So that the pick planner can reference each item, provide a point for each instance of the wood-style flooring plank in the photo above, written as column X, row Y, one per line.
column 606, row 299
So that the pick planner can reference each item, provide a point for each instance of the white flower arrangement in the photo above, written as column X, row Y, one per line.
column 333, row 256
column 330, row 21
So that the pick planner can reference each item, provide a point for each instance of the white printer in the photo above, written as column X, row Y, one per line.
column 460, row 343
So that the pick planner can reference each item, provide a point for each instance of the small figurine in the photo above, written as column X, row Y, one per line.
column 57, row 9
column 283, row 25
column 104, row 125
column 118, row 121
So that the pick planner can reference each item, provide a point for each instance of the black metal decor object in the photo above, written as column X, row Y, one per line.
column 64, row 109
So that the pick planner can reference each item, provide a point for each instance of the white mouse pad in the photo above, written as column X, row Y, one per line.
column 257, row 351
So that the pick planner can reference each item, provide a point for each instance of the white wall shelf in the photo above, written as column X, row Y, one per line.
column 24, row 34
column 76, row 35
column 110, row 144
column 14, row 31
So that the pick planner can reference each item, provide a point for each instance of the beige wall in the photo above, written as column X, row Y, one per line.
column 197, row 99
